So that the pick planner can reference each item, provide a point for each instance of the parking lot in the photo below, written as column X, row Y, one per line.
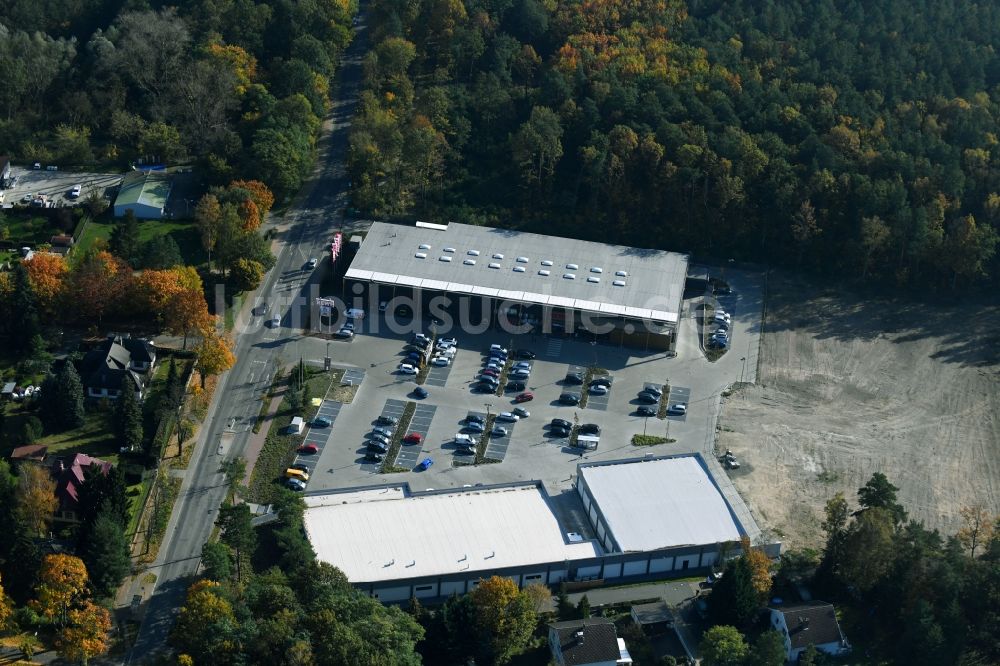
column 55, row 186
column 528, row 451
column 319, row 436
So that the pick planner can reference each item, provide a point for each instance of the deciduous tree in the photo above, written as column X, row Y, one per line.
column 723, row 645
column 206, row 625
column 768, row 650
column 35, row 499
column 6, row 609
column 62, row 582
column 505, row 618
column 47, row 274
column 977, row 527
column 215, row 356
column 760, row 568
column 86, row 634
column 206, row 216
column 246, row 275
column 98, row 284
column 217, row 560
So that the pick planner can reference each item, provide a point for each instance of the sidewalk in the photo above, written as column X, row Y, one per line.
column 257, row 440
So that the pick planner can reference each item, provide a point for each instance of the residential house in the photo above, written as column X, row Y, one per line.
column 654, row 618
column 62, row 244
column 119, row 360
column 813, row 623
column 29, row 453
column 589, row 642
column 69, row 474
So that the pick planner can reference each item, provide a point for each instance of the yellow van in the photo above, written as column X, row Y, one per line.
column 292, row 473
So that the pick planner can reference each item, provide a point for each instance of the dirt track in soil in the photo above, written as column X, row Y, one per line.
column 849, row 387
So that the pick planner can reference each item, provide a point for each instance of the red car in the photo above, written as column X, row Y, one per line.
column 308, row 448
column 525, row 397
column 412, row 438
column 490, row 372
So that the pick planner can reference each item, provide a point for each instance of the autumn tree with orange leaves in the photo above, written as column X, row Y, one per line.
column 6, row 609
column 35, row 498
column 62, row 582
column 47, row 273
column 215, row 356
column 86, row 633
column 98, row 284
column 260, row 194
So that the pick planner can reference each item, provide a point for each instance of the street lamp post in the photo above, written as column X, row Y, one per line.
column 743, row 369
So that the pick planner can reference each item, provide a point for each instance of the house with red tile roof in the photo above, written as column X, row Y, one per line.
column 69, row 474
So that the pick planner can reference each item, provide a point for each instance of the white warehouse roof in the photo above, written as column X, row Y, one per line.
column 525, row 267
column 387, row 534
column 659, row 503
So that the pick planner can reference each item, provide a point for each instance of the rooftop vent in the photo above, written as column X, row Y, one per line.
column 543, row 272
column 522, row 260
column 498, row 256
column 469, row 262
column 572, row 267
column 593, row 279
column 420, row 255
column 473, row 253
column 518, row 269
column 546, row 262
column 569, row 276
column 425, row 246
column 596, row 269
column 621, row 273
column 449, row 249
column 444, row 258
column 619, row 283
column 495, row 265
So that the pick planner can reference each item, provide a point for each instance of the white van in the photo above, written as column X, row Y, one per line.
column 355, row 313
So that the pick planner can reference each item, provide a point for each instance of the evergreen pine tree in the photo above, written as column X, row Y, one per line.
column 106, row 554
column 69, row 411
column 734, row 600
column 124, row 241
column 583, row 608
column 564, row 609
column 23, row 311
column 128, row 417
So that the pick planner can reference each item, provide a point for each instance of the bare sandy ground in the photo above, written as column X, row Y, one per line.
column 849, row 387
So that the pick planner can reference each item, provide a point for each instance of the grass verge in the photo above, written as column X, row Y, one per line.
column 275, row 456
column 484, row 441
column 389, row 464
column 502, row 377
column 650, row 440
column 425, row 368
column 159, row 516
column 589, row 375
column 661, row 409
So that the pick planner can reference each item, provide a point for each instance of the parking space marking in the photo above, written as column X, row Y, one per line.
column 497, row 448
column 420, row 423
column 678, row 394
column 599, row 402
column 320, row 436
column 393, row 408
column 554, row 348
column 468, row 456
column 438, row 375
column 352, row 377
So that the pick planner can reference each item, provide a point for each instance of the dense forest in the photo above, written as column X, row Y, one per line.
column 854, row 137
column 238, row 87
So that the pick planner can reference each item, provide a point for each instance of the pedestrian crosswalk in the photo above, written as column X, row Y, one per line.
column 554, row 347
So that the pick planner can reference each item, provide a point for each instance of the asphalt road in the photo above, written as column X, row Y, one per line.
column 303, row 232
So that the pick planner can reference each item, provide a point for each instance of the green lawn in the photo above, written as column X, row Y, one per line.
column 185, row 234
column 94, row 437
column 26, row 228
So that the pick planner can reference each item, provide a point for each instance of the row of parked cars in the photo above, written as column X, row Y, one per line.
column 418, row 352
column 719, row 338
column 495, row 360
column 600, row 385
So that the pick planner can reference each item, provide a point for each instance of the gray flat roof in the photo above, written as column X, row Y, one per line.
column 659, row 503
column 517, row 266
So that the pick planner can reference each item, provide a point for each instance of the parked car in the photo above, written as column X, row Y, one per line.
column 483, row 387
column 522, row 365
column 522, row 412
column 525, row 397
column 602, row 380
column 515, row 386
column 598, row 389
column 426, row 463
column 407, row 369
column 451, row 342
column 573, row 378
column 590, row 429
column 520, row 374
column 344, row 333
column 440, row 361
column 383, row 306
column 648, row 398
column 475, row 426
column 652, row 388
column 491, row 372
column 275, row 321
column 76, row 192
column 387, row 420
column 559, row 432
column 494, row 366
column 524, row 353
column 300, row 467
column 561, row 423
column 508, row 416
column 498, row 348
column 570, row 398
column 645, row 411
column 321, row 422
column 420, row 392
column 374, row 445
column 499, row 431
column 678, row 409
column 413, row 438
column 295, row 484
column 374, row 456
column 312, row 263
column 308, row 449
column 475, row 418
